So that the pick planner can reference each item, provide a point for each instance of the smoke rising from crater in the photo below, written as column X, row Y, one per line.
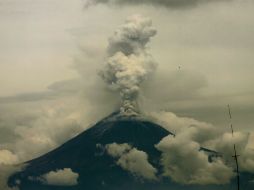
column 128, row 63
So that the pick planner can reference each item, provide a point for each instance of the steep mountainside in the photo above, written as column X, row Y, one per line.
column 85, row 155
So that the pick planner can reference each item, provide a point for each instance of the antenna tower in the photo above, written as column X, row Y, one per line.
column 235, row 156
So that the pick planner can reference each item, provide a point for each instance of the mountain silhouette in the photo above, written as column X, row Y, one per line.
column 97, row 170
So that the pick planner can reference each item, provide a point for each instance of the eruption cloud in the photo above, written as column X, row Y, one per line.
column 128, row 63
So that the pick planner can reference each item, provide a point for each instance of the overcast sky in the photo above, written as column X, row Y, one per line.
column 51, row 52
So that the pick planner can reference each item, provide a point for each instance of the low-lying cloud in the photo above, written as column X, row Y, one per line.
column 132, row 160
column 184, row 163
column 61, row 177
column 241, row 140
column 184, row 148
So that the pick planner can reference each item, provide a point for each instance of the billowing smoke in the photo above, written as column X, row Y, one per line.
column 128, row 63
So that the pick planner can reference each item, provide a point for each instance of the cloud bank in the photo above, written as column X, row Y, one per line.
column 184, row 163
column 202, row 168
column 42, row 129
column 241, row 140
column 161, row 3
column 132, row 160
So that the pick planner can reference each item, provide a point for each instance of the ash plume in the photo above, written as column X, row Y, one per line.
column 128, row 63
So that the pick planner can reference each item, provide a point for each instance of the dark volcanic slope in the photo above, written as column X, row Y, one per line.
column 83, row 155
column 99, row 171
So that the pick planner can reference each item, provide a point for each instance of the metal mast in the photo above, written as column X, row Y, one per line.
column 235, row 156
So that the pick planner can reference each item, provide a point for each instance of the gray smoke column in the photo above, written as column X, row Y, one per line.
column 128, row 63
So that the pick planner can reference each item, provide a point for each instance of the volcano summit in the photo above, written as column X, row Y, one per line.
column 116, row 153
column 88, row 155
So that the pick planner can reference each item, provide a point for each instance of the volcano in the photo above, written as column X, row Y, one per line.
column 97, row 170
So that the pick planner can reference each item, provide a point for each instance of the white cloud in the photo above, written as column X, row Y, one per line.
column 42, row 128
column 184, row 163
column 116, row 150
column 176, row 124
column 7, row 157
column 225, row 144
column 46, row 124
column 62, row 177
column 184, row 148
column 132, row 160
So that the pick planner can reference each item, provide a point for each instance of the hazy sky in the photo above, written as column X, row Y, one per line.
column 51, row 51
